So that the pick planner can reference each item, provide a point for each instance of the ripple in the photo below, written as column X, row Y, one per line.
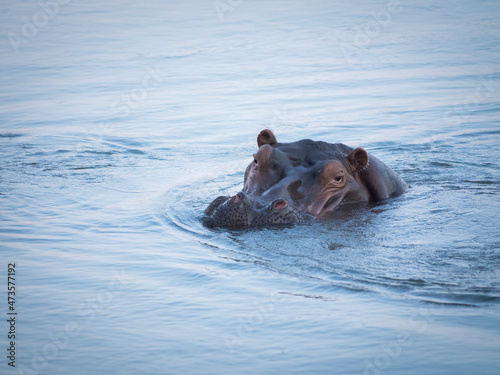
column 11, row 135
column 350, row 251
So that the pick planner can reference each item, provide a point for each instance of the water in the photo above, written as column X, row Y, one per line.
column 121, row 121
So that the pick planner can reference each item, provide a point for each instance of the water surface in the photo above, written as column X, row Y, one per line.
column 120, row 122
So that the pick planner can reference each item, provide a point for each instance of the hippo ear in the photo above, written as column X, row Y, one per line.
column 358, row 159
column 266, row 137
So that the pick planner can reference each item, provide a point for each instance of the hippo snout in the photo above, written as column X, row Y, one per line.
column 217, row 202
column 241, row 210
column 232, row 211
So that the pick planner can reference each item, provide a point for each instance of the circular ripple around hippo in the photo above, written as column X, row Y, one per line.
column 354, row 250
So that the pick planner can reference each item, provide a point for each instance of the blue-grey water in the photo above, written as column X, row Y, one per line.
column 120, row 121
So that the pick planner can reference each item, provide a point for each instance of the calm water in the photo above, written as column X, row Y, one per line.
column 120, row 121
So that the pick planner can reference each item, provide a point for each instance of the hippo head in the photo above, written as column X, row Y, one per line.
column 288, row 181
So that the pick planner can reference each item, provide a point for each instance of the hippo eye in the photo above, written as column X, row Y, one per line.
column 338, row 178
column 255, row 161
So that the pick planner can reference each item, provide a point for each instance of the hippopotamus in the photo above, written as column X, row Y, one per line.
column 287, row 182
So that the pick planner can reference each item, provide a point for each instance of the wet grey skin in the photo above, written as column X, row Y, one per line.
column 287, row 182
column 241, row 211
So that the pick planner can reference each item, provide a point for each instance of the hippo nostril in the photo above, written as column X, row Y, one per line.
column 238, row 197
column 280, row 204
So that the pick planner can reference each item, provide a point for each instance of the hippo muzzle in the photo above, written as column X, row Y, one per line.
column 242, row 210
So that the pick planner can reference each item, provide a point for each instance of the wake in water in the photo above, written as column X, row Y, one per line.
column 417, row 246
